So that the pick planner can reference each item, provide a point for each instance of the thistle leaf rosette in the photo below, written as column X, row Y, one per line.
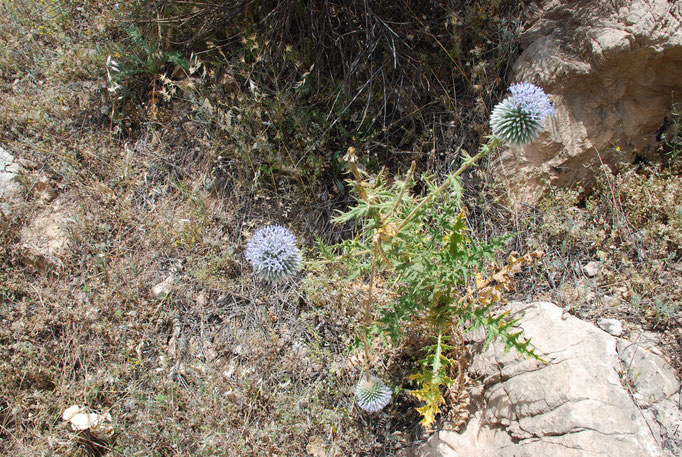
column 273, row 254
column 372, row 394
column 518, row 119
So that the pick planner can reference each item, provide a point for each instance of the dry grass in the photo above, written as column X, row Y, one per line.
column 218, row 366
column 629, row 224
column 222, row 365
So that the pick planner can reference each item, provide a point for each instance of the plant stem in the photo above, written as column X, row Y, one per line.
column 368, row 315
column 485, row 150
column 336, row 259
column 435, row 366
column 351, row 159
column 408, row 178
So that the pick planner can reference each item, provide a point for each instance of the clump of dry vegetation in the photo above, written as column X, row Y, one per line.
column 217, row 120
column 627, row 226
column 630, row 224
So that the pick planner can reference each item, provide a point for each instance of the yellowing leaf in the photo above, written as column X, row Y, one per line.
column 428, row 413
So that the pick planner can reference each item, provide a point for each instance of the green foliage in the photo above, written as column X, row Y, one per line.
column 431, row 378
column 143, row 62
column 149, row 58
column 672, row 139
column 422, row 246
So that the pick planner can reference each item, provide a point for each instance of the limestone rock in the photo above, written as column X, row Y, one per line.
column 668, row 416
column 164, row 288
column 10, row 187
column 651, row 341
column 574, row 405
column 651, row 377
column 591, row 269
column 613, row 70
column 611, row 326
column 45, row 241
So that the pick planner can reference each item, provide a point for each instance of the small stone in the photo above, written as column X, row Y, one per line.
column 70, row 412
column 164, row 288
column 591, row 269
column 83, row 421
column 612, row 326
column 80, row 419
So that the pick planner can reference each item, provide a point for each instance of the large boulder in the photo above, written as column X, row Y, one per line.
column 613, row 69
column 582, row 402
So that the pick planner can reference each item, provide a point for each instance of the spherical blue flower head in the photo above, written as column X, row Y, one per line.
column 533, row 99
column 273, row 253
column 372, row 394
column 519, row 118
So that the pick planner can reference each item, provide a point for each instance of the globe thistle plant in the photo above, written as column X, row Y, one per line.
column 518, row 119
column 372, row 394
column 273, row 254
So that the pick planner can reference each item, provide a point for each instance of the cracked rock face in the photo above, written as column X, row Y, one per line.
column 575, row 405
column 613, row 69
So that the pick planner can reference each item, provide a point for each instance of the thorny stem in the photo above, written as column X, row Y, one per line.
column 351, row 158
column 408, row 178
column 368, row 315
column 485, row 150
column 436, row 359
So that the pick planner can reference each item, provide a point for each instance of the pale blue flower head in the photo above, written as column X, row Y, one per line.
column 273, row 253
column 518, row 119
column 372, row 394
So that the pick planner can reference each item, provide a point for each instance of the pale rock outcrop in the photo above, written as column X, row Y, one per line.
column 650, row 377
column 578, row 404
column 613, row 70
column 10, row 186
column 611, row 326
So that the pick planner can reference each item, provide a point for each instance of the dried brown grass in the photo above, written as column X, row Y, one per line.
column 222, row 365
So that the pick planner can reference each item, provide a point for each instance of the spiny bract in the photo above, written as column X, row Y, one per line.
column 518, row 119
column 273, row 253
column 372, row 394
